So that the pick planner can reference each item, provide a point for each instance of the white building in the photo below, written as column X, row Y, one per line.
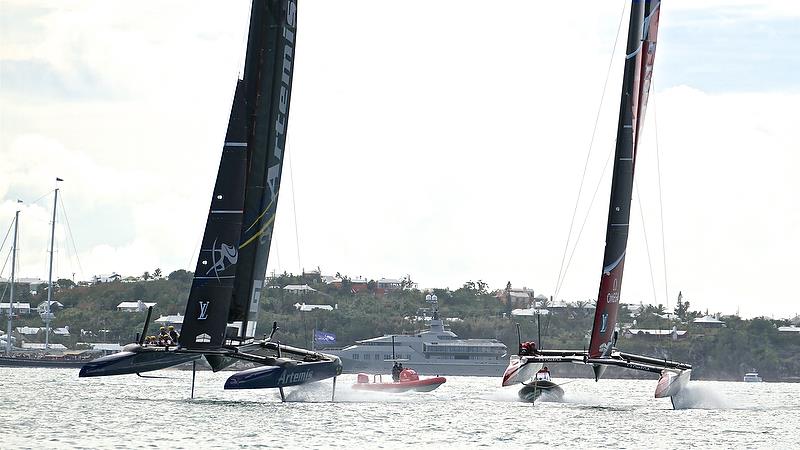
column 709, row 322
column 29, row 331
column 172, row 319
column 298, row 288
column 136, row 306
column 19, row 308
column 305, row 308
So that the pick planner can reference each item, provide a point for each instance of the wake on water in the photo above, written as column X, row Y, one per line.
column 700, row 397
column 692, row 396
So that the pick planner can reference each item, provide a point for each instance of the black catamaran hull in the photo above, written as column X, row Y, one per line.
column 286, row 373
column 136, row 360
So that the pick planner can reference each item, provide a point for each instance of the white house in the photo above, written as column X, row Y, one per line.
column 172, row 319
column 298, row 288
column 305, row 308
column 19, row 308
column 54, row 305
column 709, row 322
column 109, row 278
column 137, row 306
column 29, row 331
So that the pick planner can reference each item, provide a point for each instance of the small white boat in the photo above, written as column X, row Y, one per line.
column 752, row 377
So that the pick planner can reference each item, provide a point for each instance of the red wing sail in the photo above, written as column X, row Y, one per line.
column 636, row 84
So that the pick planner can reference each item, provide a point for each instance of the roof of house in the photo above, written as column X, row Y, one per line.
column 135, row 304
column 28, row 330
column 52, row 303
column 707, row 319
column 299, row 288
column 172, row 318
column 655, row 332
column 304, row 307
column 789, row 329
column 529, row 312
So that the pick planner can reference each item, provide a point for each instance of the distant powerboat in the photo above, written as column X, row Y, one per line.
column 752, row 377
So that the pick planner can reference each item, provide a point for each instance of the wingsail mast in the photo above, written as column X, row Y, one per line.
column 619, row 210
column 233, row 259
column 269, row 68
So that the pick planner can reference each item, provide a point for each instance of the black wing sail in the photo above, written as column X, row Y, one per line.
column 206, row 314
column 269, row 66
column 619, row 210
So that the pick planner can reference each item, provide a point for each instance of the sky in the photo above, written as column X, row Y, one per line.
column 442, row 140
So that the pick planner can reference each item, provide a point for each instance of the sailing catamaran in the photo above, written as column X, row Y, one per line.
column 221, row 312
column 640, row 54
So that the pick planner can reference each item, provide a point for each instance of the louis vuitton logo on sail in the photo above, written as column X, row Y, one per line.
column 203, row 310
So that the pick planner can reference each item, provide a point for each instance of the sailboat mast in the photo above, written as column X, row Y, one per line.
column 13, row 275
column 640, row 52
column 47, row 315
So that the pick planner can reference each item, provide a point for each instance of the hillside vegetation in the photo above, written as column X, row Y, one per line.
column 724, row 353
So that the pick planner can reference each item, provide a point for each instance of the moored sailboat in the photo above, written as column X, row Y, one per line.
column 602, row 352
column 222, row 308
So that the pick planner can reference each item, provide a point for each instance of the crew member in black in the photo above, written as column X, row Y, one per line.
column 396, row 371
column 173, row 335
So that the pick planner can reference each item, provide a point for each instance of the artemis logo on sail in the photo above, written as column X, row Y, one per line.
column 223, row 257
column 273, row 173
column 295, row 377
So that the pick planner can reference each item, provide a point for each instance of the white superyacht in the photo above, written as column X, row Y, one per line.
column 435, row 351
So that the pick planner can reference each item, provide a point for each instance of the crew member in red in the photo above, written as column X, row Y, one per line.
column 527, row 348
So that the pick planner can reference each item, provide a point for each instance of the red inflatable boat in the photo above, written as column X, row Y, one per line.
column 409, row 381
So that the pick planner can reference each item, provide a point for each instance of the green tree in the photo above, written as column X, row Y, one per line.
column 64, row 283
column 180, row 275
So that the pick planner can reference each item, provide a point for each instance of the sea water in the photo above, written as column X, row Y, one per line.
column 53, row 408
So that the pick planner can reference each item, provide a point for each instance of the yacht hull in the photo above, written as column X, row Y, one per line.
column 286, row 373
column 135, row 360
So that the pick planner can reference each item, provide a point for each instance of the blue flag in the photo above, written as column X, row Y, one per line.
column 323, row 337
